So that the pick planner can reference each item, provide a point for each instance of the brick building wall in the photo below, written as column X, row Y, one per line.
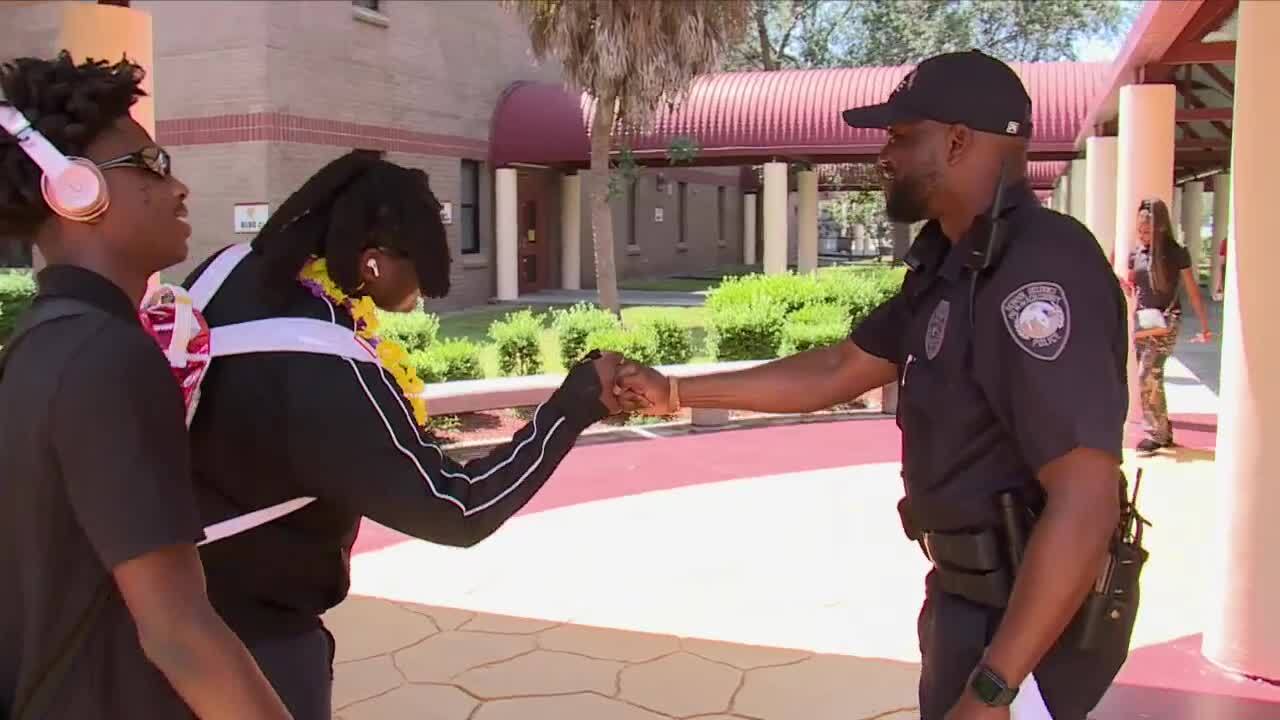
column 254, row 96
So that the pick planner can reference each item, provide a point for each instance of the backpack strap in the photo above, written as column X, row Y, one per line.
column 215, row 273
column 32, row 701
column 289, row 334
column 43, row 311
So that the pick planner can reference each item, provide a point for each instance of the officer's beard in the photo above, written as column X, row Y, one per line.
column 907, row 197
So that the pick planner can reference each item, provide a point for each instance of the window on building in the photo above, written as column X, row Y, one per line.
column 681, row 208
column 117, row 3
column 634, row 190
column 721, row 221
column 469, row 210
column 367, row 4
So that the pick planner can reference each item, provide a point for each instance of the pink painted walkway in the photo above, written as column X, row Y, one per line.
column 1165, row 678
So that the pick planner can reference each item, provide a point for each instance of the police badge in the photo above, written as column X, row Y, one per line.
column 1038, row 319
column 937, row 329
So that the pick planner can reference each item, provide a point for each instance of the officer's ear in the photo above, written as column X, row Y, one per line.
column 959, row 141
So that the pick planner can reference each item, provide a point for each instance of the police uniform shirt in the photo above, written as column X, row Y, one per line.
column 1147, row 297
column 95, row 473
column 1041, row 372
column 271, row 427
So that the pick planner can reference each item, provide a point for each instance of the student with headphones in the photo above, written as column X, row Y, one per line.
column 105, row 613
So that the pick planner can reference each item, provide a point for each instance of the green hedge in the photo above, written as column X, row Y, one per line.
column 447, row 361
column 573, row 326
column 815, row 326
column 674, row 341
column 748, row 332
column 17, row 290
column 413, row 331
column 758, row 317
column 636, row 343
column 517, row 339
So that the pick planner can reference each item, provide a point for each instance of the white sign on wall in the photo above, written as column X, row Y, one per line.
column 657, row 214
column 446, row 213
column 250, row 217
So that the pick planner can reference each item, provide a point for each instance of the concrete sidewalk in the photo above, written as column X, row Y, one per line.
column 757, row 574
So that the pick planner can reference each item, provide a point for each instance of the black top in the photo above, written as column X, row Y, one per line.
column 95, row 473
column 1040, row 373
column 1147, row 296
column 274, row 426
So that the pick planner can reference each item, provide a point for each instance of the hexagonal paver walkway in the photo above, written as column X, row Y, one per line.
column 679, row 578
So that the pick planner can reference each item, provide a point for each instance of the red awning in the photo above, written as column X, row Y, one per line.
column 752, row 117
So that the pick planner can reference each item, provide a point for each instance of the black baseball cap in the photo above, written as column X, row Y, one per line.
column 967, row 88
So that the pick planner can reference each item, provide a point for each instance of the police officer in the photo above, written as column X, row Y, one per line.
column 1010, row 350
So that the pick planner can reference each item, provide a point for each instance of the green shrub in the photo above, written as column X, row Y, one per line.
column 447, row 361
column 750, row 332
column 413, row 331
column 788, row 291
column 675, row 342
column 815, row 326
column 17, row 290
column 636, row 343
column 517, row 339
column 574, row 325
column 426, row 366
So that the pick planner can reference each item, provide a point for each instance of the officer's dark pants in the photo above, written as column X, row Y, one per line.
column 300, row 668
column 954, row 632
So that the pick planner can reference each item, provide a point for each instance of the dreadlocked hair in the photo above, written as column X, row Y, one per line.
column 354, row 203
column 1164, row 246
column 70, row 105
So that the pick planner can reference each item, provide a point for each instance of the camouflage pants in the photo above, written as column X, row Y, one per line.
column 1152, row 353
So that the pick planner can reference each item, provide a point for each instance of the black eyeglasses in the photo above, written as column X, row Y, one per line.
column 153, row 158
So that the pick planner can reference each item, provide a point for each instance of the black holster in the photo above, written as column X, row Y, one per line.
column 980, row 565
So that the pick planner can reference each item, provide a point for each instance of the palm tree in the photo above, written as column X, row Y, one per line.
column 631, row 57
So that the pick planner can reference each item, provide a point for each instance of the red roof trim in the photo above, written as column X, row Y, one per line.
column 751, row 117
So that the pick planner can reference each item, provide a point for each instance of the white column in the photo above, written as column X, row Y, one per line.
column 901, row 233
column 1221, row 222
column 749, row 229
column 1175, row 213
column 1192, row 217
column 571, row 232
column 1144, row 170
column 109, row 32
column 1078, row 195
column 1243, row 629
column 859, row 242
column 775, row 218
column 807, row 221
column 1100, row 208
column 505, row 222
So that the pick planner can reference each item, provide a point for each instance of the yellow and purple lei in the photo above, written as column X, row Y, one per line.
column 315, row 277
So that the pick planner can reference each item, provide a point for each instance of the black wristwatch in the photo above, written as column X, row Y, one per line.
column 990, row 688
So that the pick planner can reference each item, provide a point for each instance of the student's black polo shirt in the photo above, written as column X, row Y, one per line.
column 95, row 472
column 1041, row 371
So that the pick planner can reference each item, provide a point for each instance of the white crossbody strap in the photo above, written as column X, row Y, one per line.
column 289, row 334
column 206, row 286
column 248, row 521
column 286, row 334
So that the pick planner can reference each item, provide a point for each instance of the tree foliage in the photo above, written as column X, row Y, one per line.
column 850, row 33
column 633, row 57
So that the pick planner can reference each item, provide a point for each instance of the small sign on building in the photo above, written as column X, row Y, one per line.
column 446, row 213
column 250, row 217
column 657, row 214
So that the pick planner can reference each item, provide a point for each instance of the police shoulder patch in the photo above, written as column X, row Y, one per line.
column 937, row 329
column 1038, row 318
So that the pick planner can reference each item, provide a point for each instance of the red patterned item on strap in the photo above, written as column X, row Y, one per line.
column 182, row 333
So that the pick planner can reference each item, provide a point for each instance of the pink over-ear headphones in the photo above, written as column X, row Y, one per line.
column 73, row 187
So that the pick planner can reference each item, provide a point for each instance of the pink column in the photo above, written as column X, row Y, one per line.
column 1243, row 629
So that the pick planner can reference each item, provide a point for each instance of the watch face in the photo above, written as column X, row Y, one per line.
column 990, row 689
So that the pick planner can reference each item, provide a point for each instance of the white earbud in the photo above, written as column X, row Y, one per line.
column 373, row 265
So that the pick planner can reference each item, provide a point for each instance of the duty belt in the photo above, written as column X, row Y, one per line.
column 975, row 564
